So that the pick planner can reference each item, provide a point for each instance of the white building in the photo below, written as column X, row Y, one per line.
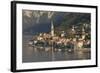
column 52, row 29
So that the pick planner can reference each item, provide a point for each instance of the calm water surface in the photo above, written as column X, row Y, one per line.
column 31, row 54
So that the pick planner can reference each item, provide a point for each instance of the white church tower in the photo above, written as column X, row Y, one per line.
column 52, row 29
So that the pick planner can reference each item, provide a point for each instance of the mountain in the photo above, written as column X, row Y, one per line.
column 40, row 21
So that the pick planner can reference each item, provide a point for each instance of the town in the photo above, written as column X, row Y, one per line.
column 50, row 41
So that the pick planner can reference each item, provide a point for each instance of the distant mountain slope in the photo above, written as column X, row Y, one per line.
column 61, row 21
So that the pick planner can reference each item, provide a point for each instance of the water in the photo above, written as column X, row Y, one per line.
column 31, row 54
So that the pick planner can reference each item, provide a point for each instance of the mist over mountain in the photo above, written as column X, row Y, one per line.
column 40, row 21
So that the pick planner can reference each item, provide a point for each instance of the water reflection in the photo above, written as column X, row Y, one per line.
column 34, row 55
column 41, row 54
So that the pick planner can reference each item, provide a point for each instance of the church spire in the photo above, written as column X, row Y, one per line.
column 52, row 29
